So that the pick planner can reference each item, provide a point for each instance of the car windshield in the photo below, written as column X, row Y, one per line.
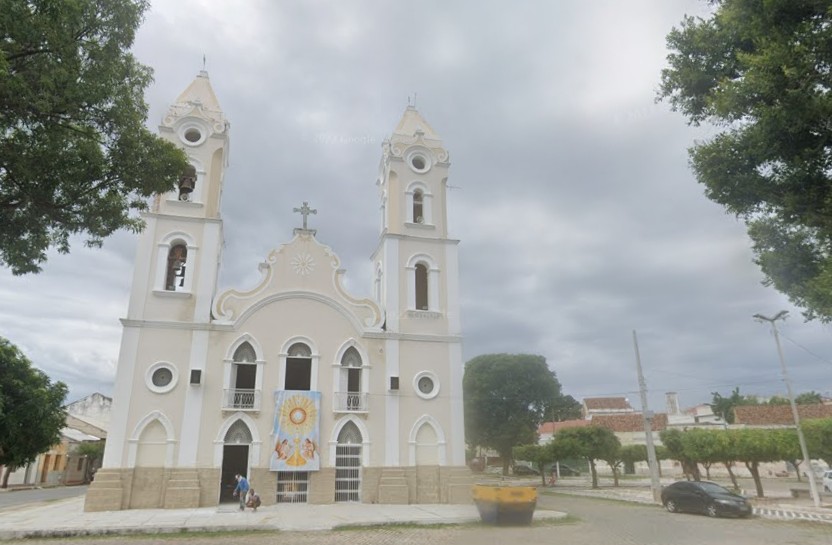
column 713, row 488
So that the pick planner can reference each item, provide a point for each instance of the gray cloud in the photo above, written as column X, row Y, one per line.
column 578, row 217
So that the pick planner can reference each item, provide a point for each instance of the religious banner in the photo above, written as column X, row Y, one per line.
column 296, row 431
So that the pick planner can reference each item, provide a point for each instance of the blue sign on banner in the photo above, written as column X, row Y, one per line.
column 296, row 431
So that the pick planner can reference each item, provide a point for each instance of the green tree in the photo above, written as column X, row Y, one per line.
column 702, row 446
column 724, row 406
column 818, row 434
column 674, row 445
column 631, row 455
column 506, row 397
column 538, row 455
column 563, row 408
column 591, row 443
column 94, row 451
column 808, row 398
column 759, row 71
column 31, row 410
column 75, row 156
column 754, row 446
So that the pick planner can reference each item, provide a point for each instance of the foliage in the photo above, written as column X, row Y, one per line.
column 591, row 443
column 75, row 156
column 94, row 450
column 506, row 397
column 539, row 455
column 808, row 398
column 31, row 409
column 818, row 434
column 724, row 406
column 759, row 71
column 754, row 446
column 675, row 447
column 563, row 408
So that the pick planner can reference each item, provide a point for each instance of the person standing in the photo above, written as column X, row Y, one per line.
column 241, row 490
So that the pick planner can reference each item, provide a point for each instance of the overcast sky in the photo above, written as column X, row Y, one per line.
column 578, row 217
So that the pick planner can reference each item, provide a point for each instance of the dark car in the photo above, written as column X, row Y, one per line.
column 565, row 470
column 704, row 497
column 524, row 470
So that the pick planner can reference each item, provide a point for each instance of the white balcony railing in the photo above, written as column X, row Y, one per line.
column 350, row 402
column 242, row 399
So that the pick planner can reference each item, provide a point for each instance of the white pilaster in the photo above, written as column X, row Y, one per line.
column 391, row 424
column 117, row 434
column 192, row 411
column 457, row 432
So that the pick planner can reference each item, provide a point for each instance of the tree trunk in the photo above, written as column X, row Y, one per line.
column 754, row 468
column 593, row 472
column 7, row 471
column 796, row 464
column 731, row 474
column 506, row 463
column 707, row 470
column 615, row 475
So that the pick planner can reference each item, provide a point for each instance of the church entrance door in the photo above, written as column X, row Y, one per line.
column 348, row 464
column 234, row 461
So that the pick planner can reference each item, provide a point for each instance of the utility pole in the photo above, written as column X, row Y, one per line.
column 647, row 415
column 813, row 488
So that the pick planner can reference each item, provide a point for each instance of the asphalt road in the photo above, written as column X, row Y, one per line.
column 595, row 522
column 10, row 498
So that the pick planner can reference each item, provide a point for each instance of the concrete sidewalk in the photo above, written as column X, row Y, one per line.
column 67, row 518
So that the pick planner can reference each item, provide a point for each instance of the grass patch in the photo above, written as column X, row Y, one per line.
column 568, row 519
column 173, row 534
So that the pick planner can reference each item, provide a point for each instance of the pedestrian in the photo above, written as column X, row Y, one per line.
column 253, row 500
column 241, row 490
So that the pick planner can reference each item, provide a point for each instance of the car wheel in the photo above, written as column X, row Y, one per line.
column 711, row 511
column 671, row 507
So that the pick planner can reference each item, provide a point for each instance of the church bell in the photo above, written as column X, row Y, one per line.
column 187, row 182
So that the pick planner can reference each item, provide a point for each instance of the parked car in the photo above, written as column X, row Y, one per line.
column 569, row 471
column 827, row 480
column 704, row 497
column 521, row 469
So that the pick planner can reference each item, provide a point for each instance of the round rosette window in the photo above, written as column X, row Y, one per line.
column 418, row 161
column 161, row 377
column 426, row 385
column 192, row 134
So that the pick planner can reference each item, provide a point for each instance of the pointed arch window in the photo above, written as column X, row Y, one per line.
column 350, row 397
column 421, row 287
column 244, row 393
column 176, row 267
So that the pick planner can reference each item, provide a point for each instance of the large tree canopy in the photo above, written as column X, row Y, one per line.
column 31, row 409
column 762, row 73
column 506, row 397
column 75, row 156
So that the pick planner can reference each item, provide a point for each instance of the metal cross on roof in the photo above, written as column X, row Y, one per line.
column 305, row 211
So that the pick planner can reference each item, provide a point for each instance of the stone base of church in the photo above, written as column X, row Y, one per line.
column 163, row 488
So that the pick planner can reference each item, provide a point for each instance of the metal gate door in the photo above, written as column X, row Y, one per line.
column 347, row 473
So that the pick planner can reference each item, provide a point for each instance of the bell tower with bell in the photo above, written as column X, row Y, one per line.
column 176, row 268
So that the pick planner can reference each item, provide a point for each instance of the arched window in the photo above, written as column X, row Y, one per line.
column 418, row 200
column 298, row 368
column 243, row 394
column 421, row 286
column 175, row 276
column 350, row 397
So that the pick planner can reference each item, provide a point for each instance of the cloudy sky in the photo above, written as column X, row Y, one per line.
column 579, row 218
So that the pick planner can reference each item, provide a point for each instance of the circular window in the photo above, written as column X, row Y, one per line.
column 161, row 377
column 193, row 135
column 418, row 161
column 426, row 385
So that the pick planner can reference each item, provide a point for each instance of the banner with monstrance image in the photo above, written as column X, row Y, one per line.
column 296, row 431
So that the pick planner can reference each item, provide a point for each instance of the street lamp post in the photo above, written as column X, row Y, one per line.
column 805, row 451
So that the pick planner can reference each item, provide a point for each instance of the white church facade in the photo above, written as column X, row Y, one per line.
column 316, row 395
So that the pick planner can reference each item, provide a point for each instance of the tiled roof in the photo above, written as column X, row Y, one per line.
column 778, row 415
column 554, row 427
column 607, row 403
column 631, row 422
